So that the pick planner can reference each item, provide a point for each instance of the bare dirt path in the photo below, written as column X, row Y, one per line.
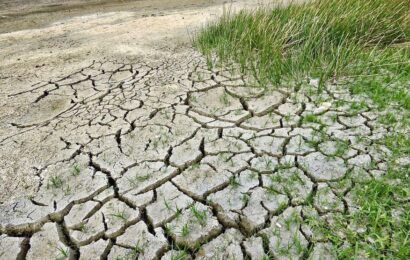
column 117, row 141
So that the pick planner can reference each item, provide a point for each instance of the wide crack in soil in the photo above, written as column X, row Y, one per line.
column 180, row 155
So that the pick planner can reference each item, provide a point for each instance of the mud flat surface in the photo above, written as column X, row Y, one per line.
column 117, row 141
column 28, row 14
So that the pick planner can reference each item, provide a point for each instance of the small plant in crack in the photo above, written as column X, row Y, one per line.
column 282, row 250
column 234, row 182
column 224, row 98
column 164, row 139
column 295, row 178
column 167, row 116
column 62, row 253
column 287, row 118
column 285, row 165
column 312, row 143
column 67, row 190
column 194, row 166
column 311, row 118
column 224, row 156
column 268, row 163
column 120, row 214
column 277, row 178
column 265, row 257
column 333, row 118
column 245, row 198
column 200, row 215
column 300, row 143
column 253, row 175
column 82, row 227
column 178, row 212
column 238, row 112
column 138, row 179
column 76, row 170
column 200, row 77
column 193, row 99
column 272, row 190
column 155, row 143
column 167, row 205
column 340, row 102
column 138, row 249
column 297, row 244
column 237, row 145
column 341, row 148
column 294, row 219
column 181, row 255
column 231, row 162
column 185, row 230
column 168, row 229
column 55, row 182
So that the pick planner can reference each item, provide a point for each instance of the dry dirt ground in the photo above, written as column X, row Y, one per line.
column 117, row 141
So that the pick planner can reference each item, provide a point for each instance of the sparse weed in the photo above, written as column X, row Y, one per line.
column 138, row 179
column 181, row 255
column 137, row 249
column 224, row 99
column 341, row 148
column 76, row 170
column 120, row 214
column 185, row 230
column 311, row 118
column 234, row 182
column 62, row 253
column 200, row 215
column 55, row 182
column 167, row 206
column 245, row 198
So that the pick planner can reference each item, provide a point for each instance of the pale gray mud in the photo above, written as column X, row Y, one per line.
column 26, row 14
column 117, row 141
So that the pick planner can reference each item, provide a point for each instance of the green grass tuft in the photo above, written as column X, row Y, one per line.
column 323, row 39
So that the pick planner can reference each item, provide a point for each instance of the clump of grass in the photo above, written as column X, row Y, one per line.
column 200, row 215
column 55, row 182
column 185, row 230
column 324, row 39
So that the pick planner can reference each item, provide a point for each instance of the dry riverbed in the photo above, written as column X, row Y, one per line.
column 117, row 140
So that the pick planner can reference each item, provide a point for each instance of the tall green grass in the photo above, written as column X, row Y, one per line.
column 325, row 39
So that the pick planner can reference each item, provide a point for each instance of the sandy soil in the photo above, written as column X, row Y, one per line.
column 118, row 29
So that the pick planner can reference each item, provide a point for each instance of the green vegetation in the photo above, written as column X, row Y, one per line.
column 63, row 253
column 122, row 215
column 181, row 255
column 323, row 39
column 185, row 230
column 362, row 45
column 200, row 215
column 76, row 170
column 55, row 182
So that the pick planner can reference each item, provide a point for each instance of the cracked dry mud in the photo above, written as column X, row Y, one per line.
column 167, row 159
column 148, row 158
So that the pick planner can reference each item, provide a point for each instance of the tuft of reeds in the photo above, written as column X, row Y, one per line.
column 324, row 39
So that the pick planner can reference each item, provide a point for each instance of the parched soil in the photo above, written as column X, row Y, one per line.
column 117, row 140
